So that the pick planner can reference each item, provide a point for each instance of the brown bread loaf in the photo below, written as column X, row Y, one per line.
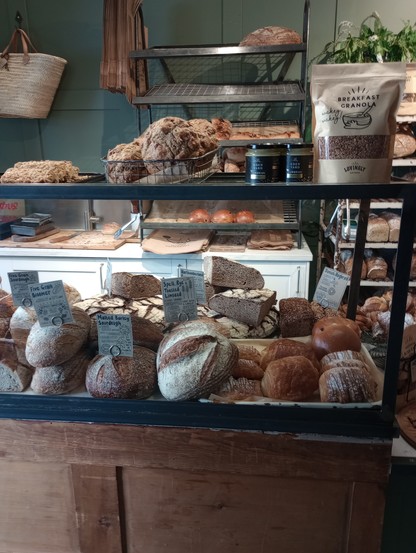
column 20, row 324
column 290, row 379
column 193, row 360
column 247, row 368
column 64, row 378
column 131, row 286
column 240, row 389
column 271, row 35
column 247, row 351
column 53, row 345
column 296, row 317
column 393, row 220
column 14, row 377
column 220, row 271
column 376, row 267
column 123, row 377
column 377, row 229
column 246, row 306
column 346, row 355
column 347, row 385
column 285, row 347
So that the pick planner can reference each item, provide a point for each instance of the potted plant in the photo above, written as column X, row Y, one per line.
column 376, row 43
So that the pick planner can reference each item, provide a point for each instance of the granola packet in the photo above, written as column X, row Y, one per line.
column 354, row 108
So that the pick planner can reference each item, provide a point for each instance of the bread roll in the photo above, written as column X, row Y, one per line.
column 193, row 360
column 64, row 378
column 347, row 385
column 240, row 389
column 246, row 368
column 285, row 347
column 246, row 351
column 123, row 377
column 53, row 345
column 290, row 379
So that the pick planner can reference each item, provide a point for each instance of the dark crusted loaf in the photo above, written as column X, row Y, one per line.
column 220, row 271
column 246, row 306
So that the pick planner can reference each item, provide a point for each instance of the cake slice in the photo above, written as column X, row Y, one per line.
column 246, row 306
column 220, row 271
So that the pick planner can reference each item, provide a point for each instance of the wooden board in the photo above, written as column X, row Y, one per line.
column 84, row 240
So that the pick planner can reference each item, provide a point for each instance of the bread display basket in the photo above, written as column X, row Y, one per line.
column 160, row 171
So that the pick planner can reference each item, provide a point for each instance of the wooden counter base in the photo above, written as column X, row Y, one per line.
column 69, row 487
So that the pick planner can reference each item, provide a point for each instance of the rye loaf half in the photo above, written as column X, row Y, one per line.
column 220, row 271
column 246, row 306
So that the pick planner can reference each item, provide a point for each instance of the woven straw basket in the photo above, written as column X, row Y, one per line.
column 28, row 81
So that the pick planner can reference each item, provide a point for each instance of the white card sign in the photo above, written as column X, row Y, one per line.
column 179, row 299
column 115, row 336
column 199, row 281
column 331, row 288
column 50, row 303
column 19, row 284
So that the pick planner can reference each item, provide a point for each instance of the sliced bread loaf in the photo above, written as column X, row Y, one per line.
column 246, row 306
column 220, row 271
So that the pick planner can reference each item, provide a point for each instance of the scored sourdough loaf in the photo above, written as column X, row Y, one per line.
column 53, row 345
column 246, row 306
column 64, row 378
column 123, row 377
column 193, row 360
column 132, row 286
column 220, row 271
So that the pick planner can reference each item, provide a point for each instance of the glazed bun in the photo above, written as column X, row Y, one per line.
column 245, row 216
column 334, row 337
column 199, row 216
column 329, row 321
column 222, row 216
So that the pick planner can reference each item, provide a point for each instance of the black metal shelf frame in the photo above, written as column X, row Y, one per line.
column 377, row 421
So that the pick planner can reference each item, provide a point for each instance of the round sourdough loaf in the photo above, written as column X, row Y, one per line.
column 53, row 345
column 123, row 377
column 193, row 360
column 64, row 378
column 292, row 378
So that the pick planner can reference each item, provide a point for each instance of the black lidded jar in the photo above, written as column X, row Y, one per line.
column 263, row 163
column 299, row 162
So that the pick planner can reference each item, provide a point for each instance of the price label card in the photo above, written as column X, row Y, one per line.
column 199, row 281
column 50, row 303
column 115, row 336
column 19, row 284
column 331, row 288
column 108, row 276
column 179, row 299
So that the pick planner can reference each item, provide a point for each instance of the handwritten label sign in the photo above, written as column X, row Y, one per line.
column 50, row 303
column 19, row 284
column 331, row 288
column 199, row 282
column 115, row 336
column 179, row 299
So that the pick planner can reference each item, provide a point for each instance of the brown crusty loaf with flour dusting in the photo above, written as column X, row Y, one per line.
column 14, row 377
column 132, row 286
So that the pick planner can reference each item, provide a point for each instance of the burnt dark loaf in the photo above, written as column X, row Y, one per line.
column 193, row 361
column 63, row 378
column 53, row 345
column 246, row 306
column 14, row 377
column 123, row 377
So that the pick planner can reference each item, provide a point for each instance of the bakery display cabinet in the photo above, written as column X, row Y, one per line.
column 144, row 475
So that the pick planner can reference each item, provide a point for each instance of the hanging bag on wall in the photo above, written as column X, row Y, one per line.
column 28, row 79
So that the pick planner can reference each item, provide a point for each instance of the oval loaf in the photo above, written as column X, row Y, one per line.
column 193, row 361
column 53, row 345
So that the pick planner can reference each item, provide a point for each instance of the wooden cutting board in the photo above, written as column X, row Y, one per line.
column 83, row 240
